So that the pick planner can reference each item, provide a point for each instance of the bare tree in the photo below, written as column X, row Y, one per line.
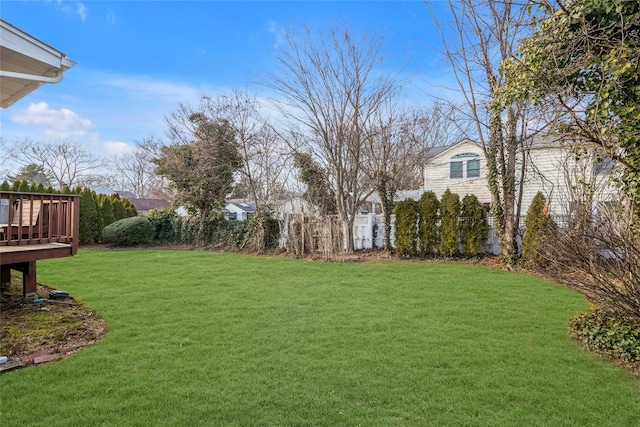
column 136, row 171
column 331, row 86
column 67, row 162
column 485, row 33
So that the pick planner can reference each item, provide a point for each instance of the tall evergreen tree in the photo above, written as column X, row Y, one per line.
column 449, row 223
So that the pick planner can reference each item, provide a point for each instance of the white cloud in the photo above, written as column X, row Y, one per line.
column 111, row 16
column 278, row 30
column 114, row 148
column 147, row 88
column 81, row 10
column 61, row 124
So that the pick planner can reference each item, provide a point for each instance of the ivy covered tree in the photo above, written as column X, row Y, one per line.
column 318, row 190
column 407, row 227
column 582, row 61
column 449, row 223
column 474, row 228
column 428, row 230
column 202, row 171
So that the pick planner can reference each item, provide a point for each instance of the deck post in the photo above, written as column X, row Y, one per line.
column 5, row 277
column 29, row 281
column 29, row 287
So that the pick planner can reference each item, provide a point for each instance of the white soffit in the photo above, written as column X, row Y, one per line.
column 26, row 63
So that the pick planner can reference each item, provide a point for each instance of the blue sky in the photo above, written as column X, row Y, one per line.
column 136, row 60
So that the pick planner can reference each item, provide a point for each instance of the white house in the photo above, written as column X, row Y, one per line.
column 461, row 167
column 566, row 176
column 238, row 211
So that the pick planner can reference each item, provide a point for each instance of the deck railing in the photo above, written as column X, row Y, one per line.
column 34, row 218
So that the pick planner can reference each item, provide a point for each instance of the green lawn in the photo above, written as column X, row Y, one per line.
column 199, row 338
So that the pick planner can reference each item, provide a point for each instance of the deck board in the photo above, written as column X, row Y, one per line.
column 28, row 253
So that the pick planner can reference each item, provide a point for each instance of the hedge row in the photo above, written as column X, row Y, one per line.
column 447, row 227
column 259, row 234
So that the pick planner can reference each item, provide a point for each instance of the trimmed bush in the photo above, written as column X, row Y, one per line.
column 474, row 229
column 128, row 232
column 428, row 230
column 449, row 224
column 406, row 227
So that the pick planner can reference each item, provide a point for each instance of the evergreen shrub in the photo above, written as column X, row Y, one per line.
column 407, row 227
column 474, row 229
column 428, row 230
column 539, row 227
column 131, row 231
column 449, row 224
column 163, row 224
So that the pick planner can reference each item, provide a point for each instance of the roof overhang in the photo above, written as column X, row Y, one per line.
column 26, row 64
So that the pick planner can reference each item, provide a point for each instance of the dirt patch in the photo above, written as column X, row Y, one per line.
column 45, row 330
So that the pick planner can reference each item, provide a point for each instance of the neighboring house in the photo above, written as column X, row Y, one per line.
column 143, row 206
column 376, row 205
column 552, row 167
column 568, row 178
column 103, row 189
column 461, row 167
column 126, row 194
column 238, row 211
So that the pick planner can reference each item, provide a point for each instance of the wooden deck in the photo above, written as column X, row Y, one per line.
column 36, row 226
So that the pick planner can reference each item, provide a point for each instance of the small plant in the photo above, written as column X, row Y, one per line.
column 610, row 332
column 131, row 231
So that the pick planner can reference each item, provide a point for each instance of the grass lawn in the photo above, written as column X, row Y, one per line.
column 199, row 338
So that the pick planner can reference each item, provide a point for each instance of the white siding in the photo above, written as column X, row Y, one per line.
column 563, row 179
column 553, row 170
column 436, row 173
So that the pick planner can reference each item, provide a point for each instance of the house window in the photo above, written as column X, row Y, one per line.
column 455, row 170
column 233, row 216
column 460, row 162
column 473, row 169
column 603, row 166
